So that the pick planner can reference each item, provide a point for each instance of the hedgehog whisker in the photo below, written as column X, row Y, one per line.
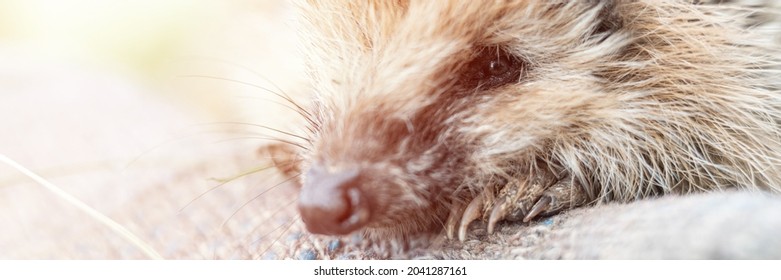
column 260, row 126
column 257, row 196
column 228, row 180
column 298, row 108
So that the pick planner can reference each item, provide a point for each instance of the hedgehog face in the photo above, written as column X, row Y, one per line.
column 420, row 106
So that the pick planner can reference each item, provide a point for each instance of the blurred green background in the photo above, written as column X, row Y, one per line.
column 161, row 43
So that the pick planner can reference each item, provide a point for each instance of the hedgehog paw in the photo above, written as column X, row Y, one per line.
column 540, row 195
column 526, row 198
column 284, row 158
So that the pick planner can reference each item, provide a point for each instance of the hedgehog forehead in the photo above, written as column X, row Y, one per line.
column 400, row 54
column 356, row 38
column 400, row 57
column 374, row 24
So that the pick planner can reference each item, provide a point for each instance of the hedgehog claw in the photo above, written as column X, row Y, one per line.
column 540, row 195
column 497, row 214
column 283, row 157
column 505, row 204
column 452, row 220
column 545, row 193
column 539, row 207
column 450, row 225
column 472, row 212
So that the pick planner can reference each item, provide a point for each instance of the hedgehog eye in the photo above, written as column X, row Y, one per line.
column 490, row 68
column 498, row 66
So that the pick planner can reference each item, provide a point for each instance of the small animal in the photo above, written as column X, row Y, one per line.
column 427, row 115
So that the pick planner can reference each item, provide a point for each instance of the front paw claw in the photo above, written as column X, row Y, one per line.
column 521, row 200
column 506, row 204
column 472, row 212
column 564, row 194
column 542, row 204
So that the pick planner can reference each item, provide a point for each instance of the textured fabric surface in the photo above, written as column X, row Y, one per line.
column 710, row 226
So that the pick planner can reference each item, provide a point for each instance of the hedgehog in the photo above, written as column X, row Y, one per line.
column 425, row 116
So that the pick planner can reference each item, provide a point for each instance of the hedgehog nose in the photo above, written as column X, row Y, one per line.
column 332, row 202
